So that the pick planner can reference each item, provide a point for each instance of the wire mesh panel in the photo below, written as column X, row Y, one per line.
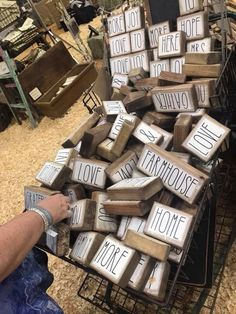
column 8, row 15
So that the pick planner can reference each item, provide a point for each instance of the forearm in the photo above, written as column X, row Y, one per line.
column 17, row 237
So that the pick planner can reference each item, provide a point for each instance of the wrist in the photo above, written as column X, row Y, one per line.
column 45, row 216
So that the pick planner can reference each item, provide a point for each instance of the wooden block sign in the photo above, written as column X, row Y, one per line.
column 104, row 150
column 197, row 70
column 178, row 177
column 147, row 245
column 137, row 74
column 204, row 89
column 122, row 138
column 136, row 101
column 147, row 134
column 104, row 222
column 168, row 78
column 207, row 136
column 196, row 115
column 115, row 261
column 34, row 194
column 157, row 282
column 90, row 172
column 167, row 137
column 64, row 155
column 138, row 40
column 127, row 208
column 157, row 66
column 182, row 129
column 141, row 273
column 86, row 246
column 154, row 31
column 118, row 80
column 175, row 255
column 120, row 65
column 134, row 189
column 54, row 175
column 120, row 45
column 155, row 54
column 194, row 25
column 190, row 6
column 177, row 98
column 117, row 125
column 164, row 121
column 134, row 19
column 140, row 60
column 202, row 57
column 168, row 224
column 112, row 108
column 83, row 214
column 202, row 45
column 123, row 167
column 58, row 239
column 147, row 84
column 176, row 64
column 124, row 223
column 116, row 25
column 171, row 45
column 74, row 191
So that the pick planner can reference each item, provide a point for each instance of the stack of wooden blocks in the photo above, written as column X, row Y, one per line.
column 135, row 170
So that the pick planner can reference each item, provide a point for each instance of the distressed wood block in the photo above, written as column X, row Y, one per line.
column 117, row 125
column 157, row 66
column 157, row 282
column 86, row 246
column 136, row 101
column 138, row 40
column 177, row 98
column 125, row 90
column 134, row 189
column 123, row 167
column 196, row 115
column 136, row 147
column 116, row 95
column 194, row 25
column 120, row 65
column 137, row 174
column 207, row 136
column 190, row 6
column 134, row 18
column 147, row 245
column 58, row 239
column 116, row 24
column 127, row 208
column 104, row 221
column 202, row 45
column 176, row 64
column 118, row 80
column 115, row 261
column 92, row 138
column 202, row 57
column 166, row 197
column 89, row 172
column 137, row 74
column 124, row 223
column 164, row 121
column 140, row 60
column 75, row 192
column 178, row 177
column 154, row 31
column 169, row 78
column 204, row 89
column 64, row 155
column 175, row 255
column 112, row 108
column 167, row 137
column 122, row 138
column 210, row 70
column 142, row 272
column 74, row 138
column 172, row 44
column 53, row 175
column 147, row 84
column 104, row 150
column 120, row 45
column 183, row 156
column 33, row 194
column 182, row 129
column 168, row 224
column 83, row 215
column 147, row 134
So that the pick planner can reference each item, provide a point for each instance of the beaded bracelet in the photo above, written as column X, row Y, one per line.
column 45, row 215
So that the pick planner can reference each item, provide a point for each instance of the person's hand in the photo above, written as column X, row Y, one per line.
column 57, row 205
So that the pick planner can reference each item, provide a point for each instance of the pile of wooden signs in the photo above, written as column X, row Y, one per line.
column 128, row 168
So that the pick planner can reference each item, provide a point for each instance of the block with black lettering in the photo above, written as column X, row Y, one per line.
column 166, row 142
column 204, row 89
column 201, row 45
column 168, row 224
column 175, row 255
column 182, row 128
column 135, row 189
column 137, row 100
column 157, row 282
column 176, row 65
column 147, row 134
column 199, row 70
column 138, row 40
column 124, row 223
column 187, row 7
column 172, row 44
column 83, row 215
column 58, row 239
column 207, row 136
column 64, row 155
column 104, row 221
column 137, row 74
column 75, row 192
column 120, row 65
column 154, row 31
column 133, row 223
column 169, row 78
column 157, row 66
column 33, row 194
column 140, row 59
column 162, row 120
column 117, row 125
column 86, row 246
column 118, row 80
column 178, row 98
column 147, row 84
column 120, row 45
column 116, row 24
column 115, row 261
column 112, row 108
column 202, row 57
column 134, row 18
column 147, row 245
column 54, row 175
column 177, row 176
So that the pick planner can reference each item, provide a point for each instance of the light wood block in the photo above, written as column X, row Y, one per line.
column 136, row 101
column 64, row 155
column 147, row 134
column 147, row 84
column 138, row 40
column 176, row 65
column 207, row 136
column 104, row 150
column 202, row 57
column 118, row 80
column 86, row 246
column 190, row 6
column 75, row 192
column 199, row 46
column 117, row 125
column 154, row 31
column 134, row 18
column 120, row 65
column 115, row 261
column 183, row 156
column 166, row 197
column 137, row 74
column 178, row 177
column 83, row 215
column 172, row 44
column 58, row 239
column 164, row 121
column 112, row 108
column 124, row 223
column 204, row 89
column 116, row 24
column 196, row 70
column 147, row 245
column 127, row 208
column 126, row 90
column 196, row 115
column 140, row 59
column 120, row 45
column 182, row 129
column 168, row 78
column 157, row 66
column 33, row 194
column 167, row 137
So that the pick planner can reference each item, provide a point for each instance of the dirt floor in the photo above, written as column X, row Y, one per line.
column 23, row 152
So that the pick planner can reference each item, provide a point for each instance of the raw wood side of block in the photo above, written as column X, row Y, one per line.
column 170, row 78
column 202, row 58
column 182, row 129
column 196, row 70
column 122, row 138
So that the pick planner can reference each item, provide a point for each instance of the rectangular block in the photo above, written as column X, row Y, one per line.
column 137, row 101
column 168, row 224
column 196, row 115
column 75, row 192
column 155, row 54
column 204, row 89
column 104, row 150
column 134, row 189
column 168, row 78
column 138, row 40
column 194, row 25
column 120, row 65
column 154, row 31
column 196, row 70
column 157, row 66
column 53, row 175
column 115, row 261
column 90, row 172
column 147, row 84
column 167, row 137
column 190, row 6
column 122, row 138
column 137, row 74
column 64, row 155
column 176, row 64
column 178, row 177
column 172, row 44
column 86, row 246
column 207, row 136
column 183, row 156
column 104, row 221
column 136, row 224
column 118, row 80
column 201, row 45
column 134, row 18
column 112, row 108
column 147, row 134
column 117, row 125
column 120, row 45
column 182, row 129
column 83, row 215
column 124, row 223
column 177, row 98
column 164, row 121
column 127, row 208
column 125, row 90
column 116, row 24
column 175, row 255
column 58, row 239
column 140, row 60
column 34, row 194
column 147, row 245
column 202, row 57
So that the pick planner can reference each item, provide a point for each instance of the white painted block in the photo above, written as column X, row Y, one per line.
column 83, row 214
column 120, row 45
column 202, row 45
column 124, row 223
column 175, row 255
column 134, row 19
column 138, row 40
column 155, row 55
column 51, row 239
column 157, row 66
column 167, row 136
column 49, row 173
column 116, row 25
column 190, row 6
column 113, row 107
column 147, row 134
column 120, row 65
column 172, row 44
column 63, row 156
column 154, row 31
column 176, row 64
column 116, row 127
column 119, row 79
column 140, row 60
